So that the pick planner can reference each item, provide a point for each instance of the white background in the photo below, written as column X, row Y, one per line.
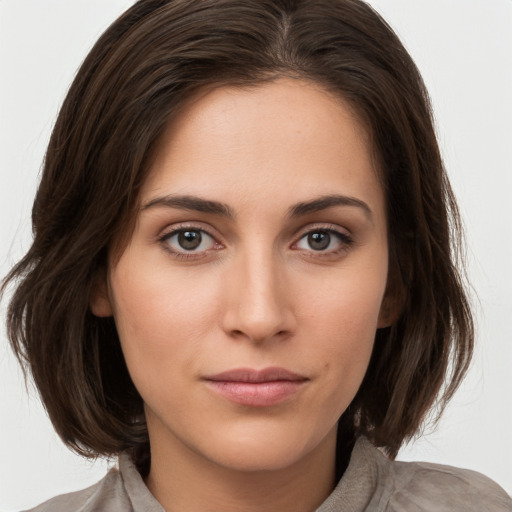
column 464, row 50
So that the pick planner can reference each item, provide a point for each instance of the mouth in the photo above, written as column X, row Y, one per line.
column 256, row 388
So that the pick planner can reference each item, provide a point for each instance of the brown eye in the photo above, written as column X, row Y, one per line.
column 189, row 240
column 324, row 240
column 319, row 240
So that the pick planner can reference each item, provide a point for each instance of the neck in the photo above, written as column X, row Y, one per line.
column 182, row 480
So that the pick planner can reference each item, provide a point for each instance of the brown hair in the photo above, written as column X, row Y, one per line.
column 135, row 79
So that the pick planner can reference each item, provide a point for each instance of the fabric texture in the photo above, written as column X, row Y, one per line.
column 371, row 483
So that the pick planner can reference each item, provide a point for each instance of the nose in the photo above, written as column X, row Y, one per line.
column 258, row 306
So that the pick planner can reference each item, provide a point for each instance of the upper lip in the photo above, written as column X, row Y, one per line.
column 254, row 376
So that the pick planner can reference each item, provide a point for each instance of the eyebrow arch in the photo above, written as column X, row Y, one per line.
column 191, row 203
column 199, row 204
column 328, row 201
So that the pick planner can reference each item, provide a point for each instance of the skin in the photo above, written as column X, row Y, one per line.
column 256, row 293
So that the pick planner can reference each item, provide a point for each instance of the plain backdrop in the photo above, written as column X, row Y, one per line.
column 464, row 51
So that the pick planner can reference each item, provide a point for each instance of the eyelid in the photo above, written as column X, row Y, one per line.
column 181, row 226
column 332, row 228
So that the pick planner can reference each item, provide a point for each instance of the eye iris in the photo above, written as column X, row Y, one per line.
column 189, row 239
column 319, row 240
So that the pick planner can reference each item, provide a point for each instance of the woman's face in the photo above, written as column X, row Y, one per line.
column 249, row 295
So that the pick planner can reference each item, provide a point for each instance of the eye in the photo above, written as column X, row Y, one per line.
column 324, row 240
column 188, row 240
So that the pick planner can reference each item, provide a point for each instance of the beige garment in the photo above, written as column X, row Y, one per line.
column 371, row 483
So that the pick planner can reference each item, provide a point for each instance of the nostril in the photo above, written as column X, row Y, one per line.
column 238, row 334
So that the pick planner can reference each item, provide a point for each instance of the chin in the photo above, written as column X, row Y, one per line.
column 266, row 449
column 256, row 456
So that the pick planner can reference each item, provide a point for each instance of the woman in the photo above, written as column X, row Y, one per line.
column 241, row 277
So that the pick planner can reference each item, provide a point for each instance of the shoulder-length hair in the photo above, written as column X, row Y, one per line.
column 135, row 79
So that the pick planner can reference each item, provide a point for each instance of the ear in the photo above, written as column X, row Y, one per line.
column 389, row 312
column 99, row 301
column 393, row 301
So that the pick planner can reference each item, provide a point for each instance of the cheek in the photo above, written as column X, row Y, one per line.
column 161, row 318
column 342, row 318
column 347, row 303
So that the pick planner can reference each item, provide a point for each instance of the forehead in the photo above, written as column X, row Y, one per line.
column 280, row 139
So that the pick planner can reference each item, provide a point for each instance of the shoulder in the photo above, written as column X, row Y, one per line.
column 108, row 495
column 373, row 482
column 423, row 487
column 121, row 490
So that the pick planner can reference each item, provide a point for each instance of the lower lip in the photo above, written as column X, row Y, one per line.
column 257, row 394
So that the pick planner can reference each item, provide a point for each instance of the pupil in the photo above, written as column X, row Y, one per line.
column 319, row 240
column 189, row 239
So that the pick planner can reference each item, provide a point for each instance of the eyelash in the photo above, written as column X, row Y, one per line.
column 345, row 241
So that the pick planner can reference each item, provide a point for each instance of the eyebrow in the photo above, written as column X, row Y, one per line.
column 191, row 203
column 324, row 202
column 198, row 204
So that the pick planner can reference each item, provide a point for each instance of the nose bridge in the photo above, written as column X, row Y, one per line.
column 258, row 306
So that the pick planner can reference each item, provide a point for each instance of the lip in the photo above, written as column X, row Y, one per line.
column 256, row 388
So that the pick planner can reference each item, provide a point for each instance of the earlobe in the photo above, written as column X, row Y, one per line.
column 392, row 303
column 387, row 315
column 99, row 302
